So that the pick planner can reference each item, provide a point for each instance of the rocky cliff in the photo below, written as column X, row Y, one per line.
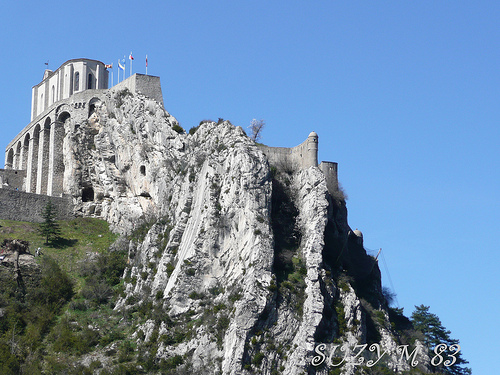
column 242, row 267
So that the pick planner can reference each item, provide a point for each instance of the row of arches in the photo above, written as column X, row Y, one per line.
column 39, row 153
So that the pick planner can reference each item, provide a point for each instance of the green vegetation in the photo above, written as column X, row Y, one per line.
column 194, row 129
column 178, row 128
column 64, row 308
column 77, row 238
column 49, row 227
column 435, row 333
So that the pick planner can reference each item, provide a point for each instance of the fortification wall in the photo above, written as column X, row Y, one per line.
column 281, row 157
column 302, row 156
column 330, row 170
column 142, row 84
column 21, row 206
column 12, row 179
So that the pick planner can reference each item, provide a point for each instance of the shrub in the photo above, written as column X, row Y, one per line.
column 170, row 269
column 216, row 290
column 97, row 291
column 56, row 287
column 195, row 295
column 178, row 128
column 159, row 294
column 172, row 362
column 257, row 359
column 193, row 129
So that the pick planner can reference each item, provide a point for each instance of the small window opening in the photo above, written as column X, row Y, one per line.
column 77, row 81
column 89, row 83
column 87, row 194
column 143, row 170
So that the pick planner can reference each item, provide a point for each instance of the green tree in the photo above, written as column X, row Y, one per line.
column 435, row 334
column 49, row 227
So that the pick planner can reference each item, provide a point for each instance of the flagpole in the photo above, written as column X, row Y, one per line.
column 131, row 59
column 146, row 64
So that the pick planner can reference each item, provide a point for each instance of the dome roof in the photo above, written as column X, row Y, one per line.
column 358, row 233
column 313, row 134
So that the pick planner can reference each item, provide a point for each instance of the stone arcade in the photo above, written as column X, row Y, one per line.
column 33, row 159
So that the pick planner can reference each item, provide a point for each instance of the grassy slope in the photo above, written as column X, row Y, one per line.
column 78, row 237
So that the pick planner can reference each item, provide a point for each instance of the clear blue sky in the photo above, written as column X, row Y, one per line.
column 403, row 94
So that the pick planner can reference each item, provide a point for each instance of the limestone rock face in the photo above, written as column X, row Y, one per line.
column 240, row 266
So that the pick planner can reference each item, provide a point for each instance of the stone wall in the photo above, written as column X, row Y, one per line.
column 12, row 179
column 142, row 84
column 330, row 170
column 302, row 156
column 21, row 206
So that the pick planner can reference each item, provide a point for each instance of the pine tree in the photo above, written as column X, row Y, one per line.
column 49, row 227
column 434, row 332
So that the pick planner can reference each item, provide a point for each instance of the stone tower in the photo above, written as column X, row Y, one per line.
column 311, row 155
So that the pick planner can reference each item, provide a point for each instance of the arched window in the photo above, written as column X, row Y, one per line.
column 77, row 81
column 89, row 82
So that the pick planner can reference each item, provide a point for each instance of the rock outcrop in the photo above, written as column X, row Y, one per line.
column 243, row 268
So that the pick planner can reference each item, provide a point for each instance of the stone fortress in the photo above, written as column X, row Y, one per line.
column 34, row 166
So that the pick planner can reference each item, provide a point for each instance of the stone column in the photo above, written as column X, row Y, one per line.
column 24, row 154
column 21, row 154
column 56, row 163
column 31, row 166
column 8, row 164
column 43, row 160
column 15, row 164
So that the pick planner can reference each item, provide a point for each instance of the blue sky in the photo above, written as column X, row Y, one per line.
column 403, row 94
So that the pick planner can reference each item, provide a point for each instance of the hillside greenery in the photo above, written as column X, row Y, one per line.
column 61, row 320
column 64, row 307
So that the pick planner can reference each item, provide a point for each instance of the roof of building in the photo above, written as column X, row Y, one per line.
column 358, row 233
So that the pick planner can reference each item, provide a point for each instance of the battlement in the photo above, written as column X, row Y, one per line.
column 303, row 156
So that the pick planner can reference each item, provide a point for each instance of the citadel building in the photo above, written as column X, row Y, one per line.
column 34, row 158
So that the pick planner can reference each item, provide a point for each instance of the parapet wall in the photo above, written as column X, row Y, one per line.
column 302, row 156
column 21, row 206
